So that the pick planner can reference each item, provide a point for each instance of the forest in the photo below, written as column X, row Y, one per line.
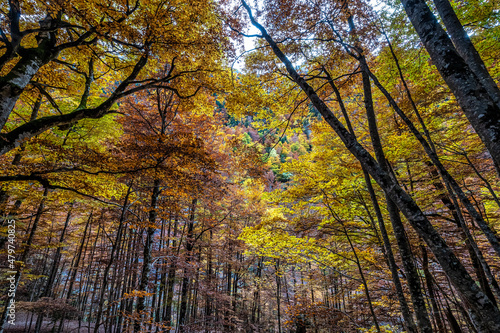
column 284, row 166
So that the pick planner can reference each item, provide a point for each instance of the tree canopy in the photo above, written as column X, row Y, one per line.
column 226, row 166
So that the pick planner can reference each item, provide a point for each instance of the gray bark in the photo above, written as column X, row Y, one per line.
column 13, row 84
column 430, row 290
column 483, row 113
column 147, row 258
column 185, row 279
column 466, row 49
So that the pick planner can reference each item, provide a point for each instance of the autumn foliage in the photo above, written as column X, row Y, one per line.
column 233, row 166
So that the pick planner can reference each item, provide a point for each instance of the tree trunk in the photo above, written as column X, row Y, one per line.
column 171, row 279
column 466, row 49
column 430, row 290
column 483, row 113
column 148, row 247
column 186, row 277
column 13, row 84
column 278, row 293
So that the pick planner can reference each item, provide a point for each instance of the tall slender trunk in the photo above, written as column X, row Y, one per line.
column 86, row 272
column 14, row 83
column 278, row 293
column 405, row 310
column 430, row 290
column 477, row 259
column 163, row 244
column 74, row 268
column 256, row 294
column 483, row 113
column 147, row 259
column 445, row 175
column 189, row 245
column 208, row 301
column 466, row 49
column 455, row 326
column 171, row 278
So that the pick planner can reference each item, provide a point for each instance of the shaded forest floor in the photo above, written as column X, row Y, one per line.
column 23, row 325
